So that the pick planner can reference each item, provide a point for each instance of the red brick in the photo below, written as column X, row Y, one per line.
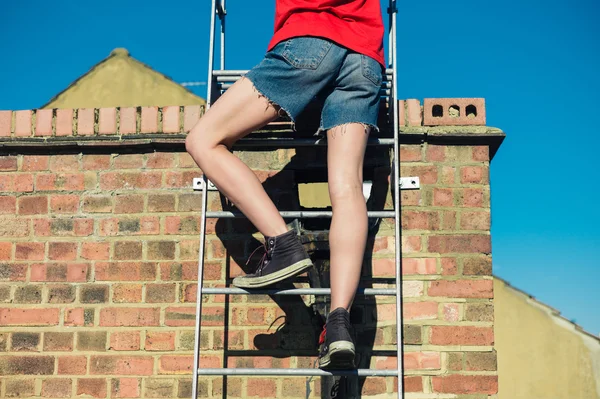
column 149, row 123
column 5, row 123
column 95, row 250
column 449, row 266
column 64, row 163
column 94, row 387
column 420, row 310
column 23, row 123
column 422, row 360
column 465, row 384
column 160, row 341
column 13, row 272
column 436, row 153
column 121, row 365
column 185, row 160
column 472, row 197
column 43, row 122
column 35, row 162
column 419, row 266
column 411, row 384
column 175, row 364
column 262, row 387
column 6, row 182
column 420, row 220
column 127, row 120
column 24, row 182
column 451, row 312
column 33, row 205
column 181, row 179
column 475, row 220
column 30, row 251
column 129, row 317
column 427, row 174
column 75, row 365
column 191, row 115
column 64, row 122
column 125, row 271
column 463, row 118
column 60, row 181
column 443, row 197
column 473, row 174
column 62, row 251
column 460, row 243
column 170, row 119
column 481, row 153
column 8, row 163
column 74, row 317
column 96, row 162
column 56, row 388
column 128, row 161
column 29, row 317
column 64, row 203
column 127, row 293
column 130, row 180
column 83, row 227
column 160, row 160
column 129, row 204
column 6, row 250
column 186, row 316
column 410, row 153
column 448, row 220
column 401, row 113
column 462, row 288
column 374, row 386
column 72, row 272
column 85, row 121
column 414, row 112
column 125, row 341
column 8, row 204
column 125, row 388
column 411, row 244
column 107, row 121
column 461, row 335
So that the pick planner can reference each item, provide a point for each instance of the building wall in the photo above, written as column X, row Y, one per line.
column 541, row 355
column 98, row 259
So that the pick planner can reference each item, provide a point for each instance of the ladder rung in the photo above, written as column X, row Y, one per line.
column 386, row 83
column 296, row 291
column 298, row 214
column 300, row 142
column 239, row 72
column 298, row 372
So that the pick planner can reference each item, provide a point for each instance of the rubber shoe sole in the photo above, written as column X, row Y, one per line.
column 271, row 278
column 340, row 356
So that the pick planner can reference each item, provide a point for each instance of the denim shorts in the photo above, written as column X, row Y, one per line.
column 301, row 69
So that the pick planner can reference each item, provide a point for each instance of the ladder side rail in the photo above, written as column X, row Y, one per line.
column 396, row 123
column 198, row 326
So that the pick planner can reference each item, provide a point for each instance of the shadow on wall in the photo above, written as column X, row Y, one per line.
column 296, row 332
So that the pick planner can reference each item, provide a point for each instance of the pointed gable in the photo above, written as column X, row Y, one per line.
column 122, row 81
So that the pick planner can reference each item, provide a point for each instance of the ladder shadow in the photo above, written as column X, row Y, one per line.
column 296, row 329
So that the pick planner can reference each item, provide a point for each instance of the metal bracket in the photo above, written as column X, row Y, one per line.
column 406, row 183
column 198, row 184
column 410, row 183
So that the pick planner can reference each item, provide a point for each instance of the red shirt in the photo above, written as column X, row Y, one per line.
column 355, row 24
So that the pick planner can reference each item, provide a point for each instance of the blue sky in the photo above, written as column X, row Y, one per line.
column 536, row 63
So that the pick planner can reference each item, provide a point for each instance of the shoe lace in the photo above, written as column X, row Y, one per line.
column 263, row 260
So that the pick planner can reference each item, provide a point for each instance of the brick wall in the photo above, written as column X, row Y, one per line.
column 98, row 259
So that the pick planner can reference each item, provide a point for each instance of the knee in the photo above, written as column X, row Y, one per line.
column 344, row 189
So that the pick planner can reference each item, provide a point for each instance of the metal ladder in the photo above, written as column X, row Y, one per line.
column 218, row 81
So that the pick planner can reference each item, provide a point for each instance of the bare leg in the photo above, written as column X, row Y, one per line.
column 348, row 232
column 237, row 113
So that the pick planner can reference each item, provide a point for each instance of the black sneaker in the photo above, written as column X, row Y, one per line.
column 337, row 347
column 284, row 257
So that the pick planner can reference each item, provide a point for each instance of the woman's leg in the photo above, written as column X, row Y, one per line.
column 238, row 112
column 348, row 232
